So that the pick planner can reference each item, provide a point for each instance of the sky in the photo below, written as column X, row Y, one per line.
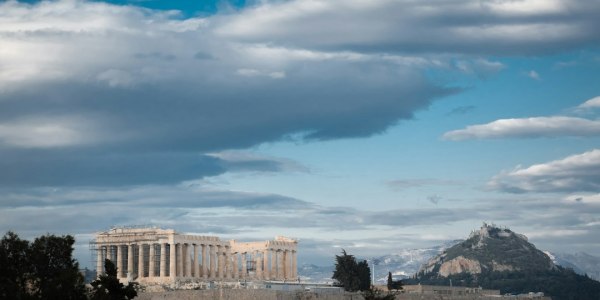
column 369, row 126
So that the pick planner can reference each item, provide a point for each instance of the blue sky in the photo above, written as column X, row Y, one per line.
column 366, row 125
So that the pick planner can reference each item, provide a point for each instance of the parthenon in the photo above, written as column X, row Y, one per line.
column 152, row 255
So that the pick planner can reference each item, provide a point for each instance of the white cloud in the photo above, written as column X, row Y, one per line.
column 257, row 73
column 480, row 67
column 573, row 174
column 590, row 104
column 527, row 128
column 555, row 233
column 534, row 75
column 47, row 132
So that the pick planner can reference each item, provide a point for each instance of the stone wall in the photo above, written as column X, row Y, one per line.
column 244, row 294
column 261, row 294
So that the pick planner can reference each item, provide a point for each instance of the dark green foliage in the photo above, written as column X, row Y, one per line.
column 108, row 287
column 364, row 275
column 14, row 267
column 389, row 281
column 560, row 283
column 56, row 273
column 43, row 269
column 350, row 275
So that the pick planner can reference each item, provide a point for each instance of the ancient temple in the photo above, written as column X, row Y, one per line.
column 153, row 255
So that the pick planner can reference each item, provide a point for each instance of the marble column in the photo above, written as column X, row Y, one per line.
column 220, row 261
column 130, row 260
column 119, row 261
column 141, row 261
column 258, row 261
column 112, row 253
column 236, row 266
column 280, row 268
column 188, row 260
column 204, row 261
column 266, row 264
column 163, row 260
column 213, row 261
column 286, row 264
column 172, row 260
column 180, row 259
column 273, row 264
column 196, row 261
column 228, row 271
column 294, row 265
column 100, row 262
column 244, row 266
column 151, row 261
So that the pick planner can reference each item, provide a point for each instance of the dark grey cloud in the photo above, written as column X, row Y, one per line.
column 101, row 167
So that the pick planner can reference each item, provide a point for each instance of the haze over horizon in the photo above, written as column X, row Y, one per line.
column 371, row 126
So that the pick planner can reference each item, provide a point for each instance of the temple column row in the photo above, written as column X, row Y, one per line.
column 283, row 264
column 174, row 257
column 218, row 262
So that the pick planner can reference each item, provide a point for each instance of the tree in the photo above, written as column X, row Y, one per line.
column 44, row 269
column 350, row 275
column 390, row 282
column 14, row 267
column 55, row 274
column 364, row 275
column 108, row 287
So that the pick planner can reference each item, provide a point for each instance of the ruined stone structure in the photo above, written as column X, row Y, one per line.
column 153, row 255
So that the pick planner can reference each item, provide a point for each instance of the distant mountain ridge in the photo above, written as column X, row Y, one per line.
column 582, row 263
column 407, row 262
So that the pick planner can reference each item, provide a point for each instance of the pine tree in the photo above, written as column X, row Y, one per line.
column 350, row 275
column 108, row 287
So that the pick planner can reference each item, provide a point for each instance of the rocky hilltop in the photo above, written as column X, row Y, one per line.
column 497, row 258
column 486, row 250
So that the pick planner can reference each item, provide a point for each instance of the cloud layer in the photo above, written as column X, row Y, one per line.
column 104, row 94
